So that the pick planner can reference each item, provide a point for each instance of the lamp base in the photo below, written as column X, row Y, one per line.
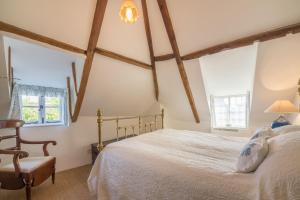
column 280, row 121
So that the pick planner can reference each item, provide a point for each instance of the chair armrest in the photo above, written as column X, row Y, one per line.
column 17, row 155
column 44, row 143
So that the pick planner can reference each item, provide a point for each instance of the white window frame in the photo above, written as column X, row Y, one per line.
column 212, row 107
column 42, row 113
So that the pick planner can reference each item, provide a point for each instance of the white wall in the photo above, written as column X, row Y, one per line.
column 72, row 149
column 173, row 96
column 295, row 117
column 276, row 77
column 73, row 143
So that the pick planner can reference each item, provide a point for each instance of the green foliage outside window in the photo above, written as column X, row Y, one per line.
column 31, row 112
column 30, row 115
column 52, row 114
column 52, row 101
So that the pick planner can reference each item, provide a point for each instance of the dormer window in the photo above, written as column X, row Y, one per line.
column 38, row 105
column 230, row 111
column 42, row 110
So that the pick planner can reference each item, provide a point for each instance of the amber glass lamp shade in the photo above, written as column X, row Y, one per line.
column 128, row 12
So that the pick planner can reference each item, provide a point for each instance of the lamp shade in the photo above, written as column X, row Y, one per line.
column 282, row 106
column 128, row 12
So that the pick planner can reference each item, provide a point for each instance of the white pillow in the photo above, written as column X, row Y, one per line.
column 278, row 176
column 265, row 132
column 286, row 129
column 253, row 153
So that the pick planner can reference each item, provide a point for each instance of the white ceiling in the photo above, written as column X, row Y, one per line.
column 34, row 64
column 124, row 89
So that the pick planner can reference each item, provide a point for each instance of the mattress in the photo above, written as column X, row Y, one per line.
column 172, row 164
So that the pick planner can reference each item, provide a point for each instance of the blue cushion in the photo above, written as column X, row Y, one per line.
column 277, row 124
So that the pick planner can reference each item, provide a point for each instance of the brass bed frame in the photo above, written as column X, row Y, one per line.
column 142, row 125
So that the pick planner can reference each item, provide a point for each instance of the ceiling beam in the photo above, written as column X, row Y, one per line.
column 122, row 58
column 69, row 95
column 40, row 38
column 150, row 45
column 74, row 77
column 95, row 32
column 171, row 34
column 261, row 37
column 245, row 41
column 9, row 65
column 164, row 57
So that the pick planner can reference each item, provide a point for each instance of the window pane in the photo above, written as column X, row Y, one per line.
column 30, row 100
column 230, row 111
column 52, row 101
column 30, row 114
column 53, row 114
column 221, row 108
column 238, row 111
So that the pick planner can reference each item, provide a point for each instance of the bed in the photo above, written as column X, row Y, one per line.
column 180, row 164
column 174, row 164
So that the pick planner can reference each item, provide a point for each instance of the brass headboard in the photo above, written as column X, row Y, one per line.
column 142, row 125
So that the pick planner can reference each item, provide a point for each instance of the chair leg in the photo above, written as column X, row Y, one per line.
column 53, row 177
column 28, row 189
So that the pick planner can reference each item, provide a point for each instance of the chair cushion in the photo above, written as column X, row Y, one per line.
column 28, row 164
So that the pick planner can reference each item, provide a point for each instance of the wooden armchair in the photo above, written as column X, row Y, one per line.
column 24, row 171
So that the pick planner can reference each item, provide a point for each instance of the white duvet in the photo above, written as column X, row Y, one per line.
column 173, row 164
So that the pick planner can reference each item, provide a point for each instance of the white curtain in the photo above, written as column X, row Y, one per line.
column 33, row 90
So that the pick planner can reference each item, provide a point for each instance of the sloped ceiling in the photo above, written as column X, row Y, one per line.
column 229, row 72
column 37, row 65
column 203, row 23
column 124, row 89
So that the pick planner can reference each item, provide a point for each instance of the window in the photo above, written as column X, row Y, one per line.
column 230, row 111
column 42, row 110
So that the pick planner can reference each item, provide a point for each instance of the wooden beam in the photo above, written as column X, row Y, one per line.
column 96, row 27
column 245, row 41
column 171, row 34
column 74, row 77
column 150, row 45
column 12, row 80
column 261, row 37
column 69, row 96
column 122, row 58
column 164, row 57
column 40, row 38
column 9, row 65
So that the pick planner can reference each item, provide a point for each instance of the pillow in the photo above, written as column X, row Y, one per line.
column 263, row 132
column 278, row 176
column 253, row 153
column 286, row 129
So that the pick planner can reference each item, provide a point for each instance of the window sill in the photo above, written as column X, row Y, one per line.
column 228, row 128
column 42, row 125
column 243, row 131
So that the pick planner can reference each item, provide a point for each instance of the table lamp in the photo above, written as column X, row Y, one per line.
column 281, row 107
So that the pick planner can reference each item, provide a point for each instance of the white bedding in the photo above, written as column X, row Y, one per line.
column 173, row 164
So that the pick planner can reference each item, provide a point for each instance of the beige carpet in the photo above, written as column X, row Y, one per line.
column 69, row 185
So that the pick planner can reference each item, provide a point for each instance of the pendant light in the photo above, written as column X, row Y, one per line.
column 128, row 11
